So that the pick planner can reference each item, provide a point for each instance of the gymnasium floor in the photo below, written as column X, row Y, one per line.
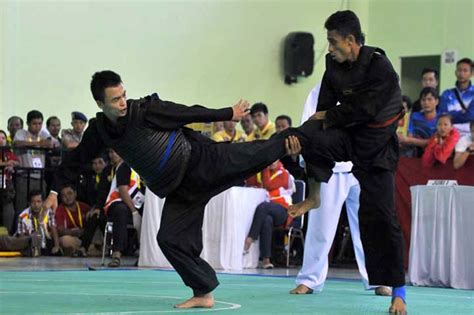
column 67, row 286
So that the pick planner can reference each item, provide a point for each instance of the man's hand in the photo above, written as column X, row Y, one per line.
column 240, row 110
column 293, row 146
column 51, row 202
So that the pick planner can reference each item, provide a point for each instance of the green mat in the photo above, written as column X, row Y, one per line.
column 155, row 292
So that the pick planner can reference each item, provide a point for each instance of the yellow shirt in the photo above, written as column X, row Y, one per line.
column 251, row 136
column 402, row 128
column 222, row 136
column 266, row 132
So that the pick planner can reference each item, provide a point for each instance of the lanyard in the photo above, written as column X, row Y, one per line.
column 71, row 217
column 35, row 221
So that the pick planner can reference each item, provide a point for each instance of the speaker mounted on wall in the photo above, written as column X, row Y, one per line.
column 299, row 56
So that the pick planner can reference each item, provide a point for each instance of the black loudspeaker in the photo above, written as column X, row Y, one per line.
column 299, row 56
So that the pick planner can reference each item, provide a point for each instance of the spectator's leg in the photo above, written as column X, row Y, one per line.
column 120, row 215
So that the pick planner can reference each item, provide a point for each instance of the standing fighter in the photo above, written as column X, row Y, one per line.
column 363, row 130
column 342, row 188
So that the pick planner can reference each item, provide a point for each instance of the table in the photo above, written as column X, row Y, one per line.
column 442, row 236
column 227, row 221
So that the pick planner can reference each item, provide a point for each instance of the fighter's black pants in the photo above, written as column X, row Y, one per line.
column 214, row 167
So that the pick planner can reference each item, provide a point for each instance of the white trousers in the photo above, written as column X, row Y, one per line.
column 322, row 225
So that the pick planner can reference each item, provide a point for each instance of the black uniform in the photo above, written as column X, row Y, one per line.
column 179, row 164
column 363, row 129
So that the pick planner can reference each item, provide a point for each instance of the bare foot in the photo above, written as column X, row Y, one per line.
column 398, row 307
column 205, row 301
column 301, row 289
column 302, row 207
column 383, row 291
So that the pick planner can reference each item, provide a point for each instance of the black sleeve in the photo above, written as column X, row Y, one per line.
column 73, row 162
column 327, row 97
column 169, row 115
column 371, row 97
column 123, row 175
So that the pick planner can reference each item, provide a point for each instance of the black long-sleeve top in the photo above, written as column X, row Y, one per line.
column 160, row 115
column 367, row 89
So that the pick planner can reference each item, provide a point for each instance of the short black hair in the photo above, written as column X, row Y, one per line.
column 3, row 131
column 15, row 117
column 284, row 117
column 429, row 70
column 407, row 100
column 33, row 114
column 48, row 121
column 447, row 116
column 34, row 192
column 345, row 23
column 259, row 107
column 429, row 90
column 102, row 80
column 69, row 185
column 465, row 60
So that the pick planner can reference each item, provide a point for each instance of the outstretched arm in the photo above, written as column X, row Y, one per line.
column 170, row 115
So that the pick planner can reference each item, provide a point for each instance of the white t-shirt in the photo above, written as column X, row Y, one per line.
column 464, row 143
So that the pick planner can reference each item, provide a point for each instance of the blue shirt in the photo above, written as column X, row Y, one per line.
column 420, row 127
column 449, row 104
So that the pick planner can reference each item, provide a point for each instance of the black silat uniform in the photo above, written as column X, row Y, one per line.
column 176, row 163
column 362, row 129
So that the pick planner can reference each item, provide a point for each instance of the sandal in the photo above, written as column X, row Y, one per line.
column 114, row 263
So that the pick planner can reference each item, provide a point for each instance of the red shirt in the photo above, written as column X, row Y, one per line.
column 435, row 151
column 71, row 220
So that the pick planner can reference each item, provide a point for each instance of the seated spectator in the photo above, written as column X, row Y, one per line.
column 229, row 134
column 429, row 78
column 264, row 127
column 217, row 126
column 402, row 129
column 464, row 148
column 72, row 137
column 15, row 123
column 30, row 158
column 7, row 191
column 458, row 101
column 74, row 223
column 35, row 221
column 123, row 206
column 441, row 145
column 90, row 179
column 422, row 124
column 280, row 186
column 247, row 125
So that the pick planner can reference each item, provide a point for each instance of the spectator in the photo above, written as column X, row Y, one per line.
column 229, row 134
column 265, row 128
column 422, row 124
column 217, row 126
column 123, row 205
column 34, row 136
column 89, row 181
column 14, row 123
column 464, row 148
column 290, row 163
column 402, row 128
column 39, row 221
column 441, row 145
column 280, row 186
column 7, row 191
column 72, row 137
column 247, row 125
column 53, row 124
column 458, row 101
column 73, row 220
column 429, row 78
